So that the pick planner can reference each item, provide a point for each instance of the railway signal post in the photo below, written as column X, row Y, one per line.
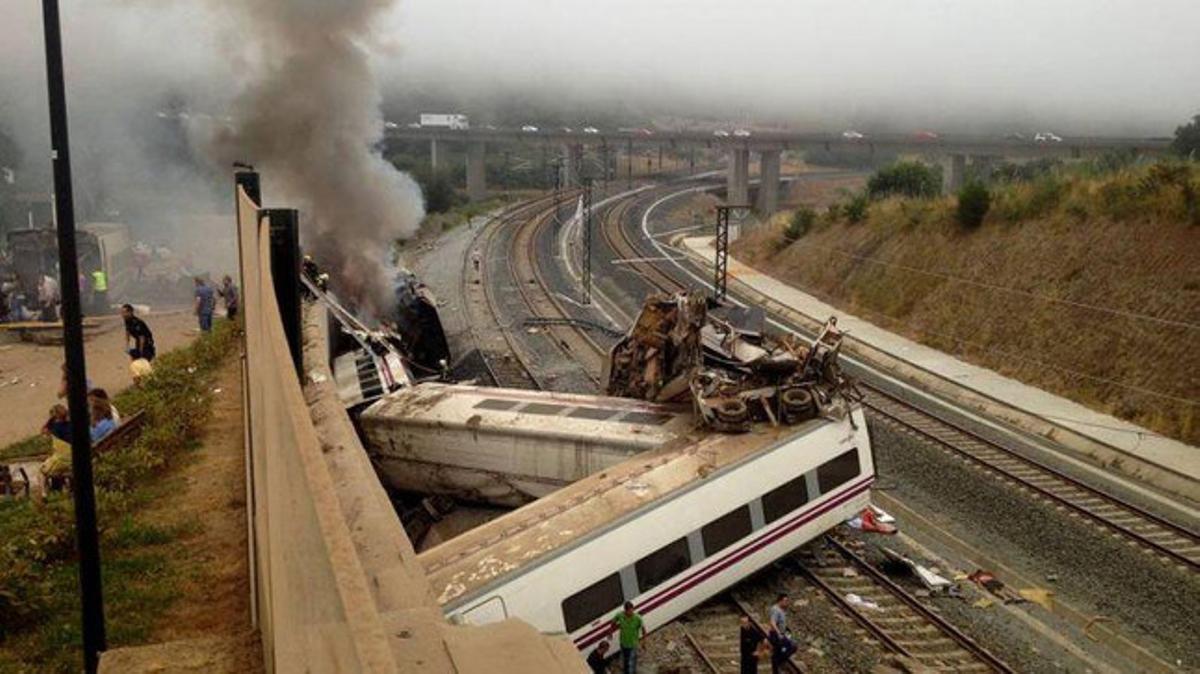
column 587, row 242
column 721, row 257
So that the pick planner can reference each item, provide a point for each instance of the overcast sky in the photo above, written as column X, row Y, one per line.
column 1077, row 65
column 1071, row 66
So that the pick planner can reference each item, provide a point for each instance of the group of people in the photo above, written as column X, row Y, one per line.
column 777, row 644
column 103, row 419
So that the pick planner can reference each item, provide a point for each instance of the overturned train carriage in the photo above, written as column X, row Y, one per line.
column 507, row 447
column 665, row 530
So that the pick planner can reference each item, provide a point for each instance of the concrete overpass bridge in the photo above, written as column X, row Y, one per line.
column 956, row 152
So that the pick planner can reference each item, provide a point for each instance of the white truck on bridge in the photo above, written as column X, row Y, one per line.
column 448, row 121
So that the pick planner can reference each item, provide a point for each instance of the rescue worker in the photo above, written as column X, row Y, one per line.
column 99, row 291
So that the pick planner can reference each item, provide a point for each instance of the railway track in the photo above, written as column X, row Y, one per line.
column 1156, row 535
column 501, row 357
column 902, row 623
column 712, row 631
column 543, row 299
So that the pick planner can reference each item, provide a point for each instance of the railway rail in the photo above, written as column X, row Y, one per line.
column 1159, row 536
column 902, row 624
column 504, row 362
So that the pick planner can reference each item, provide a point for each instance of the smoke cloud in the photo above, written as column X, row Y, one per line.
column 307, row 117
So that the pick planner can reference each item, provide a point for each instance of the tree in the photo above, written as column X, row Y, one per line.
column 1187, row 139
column 974, row 200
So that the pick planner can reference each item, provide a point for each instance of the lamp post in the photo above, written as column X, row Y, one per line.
column 86, row 535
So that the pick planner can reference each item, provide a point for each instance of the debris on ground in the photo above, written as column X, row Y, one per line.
column 685, row 347
column 929, row 578
column 870, row 522
column 858, row 602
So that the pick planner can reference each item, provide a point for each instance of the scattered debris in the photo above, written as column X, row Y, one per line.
column 928, row 577
column 989, row 582
column 859, row 602
column 869, row 522
column 1038, row 596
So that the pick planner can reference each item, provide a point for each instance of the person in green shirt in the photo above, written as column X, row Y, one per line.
column 100, row 291
column 629, row 625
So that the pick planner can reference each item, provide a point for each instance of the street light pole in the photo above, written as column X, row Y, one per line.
column 87, row 537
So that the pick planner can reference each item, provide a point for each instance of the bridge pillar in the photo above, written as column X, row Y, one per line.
column 768, row 189
column 954, row 172
column 476, row 171
column 572, row 165
column 433, row 154
column 737, row 189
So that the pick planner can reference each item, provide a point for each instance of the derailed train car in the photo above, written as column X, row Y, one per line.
column 665, row 530
column 775, row 454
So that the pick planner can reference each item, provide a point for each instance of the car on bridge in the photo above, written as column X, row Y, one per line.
column 721, row 133
column 529, row 128
column 590, row 129
column 1047, row 137
column 851, row 134
column 741, row 133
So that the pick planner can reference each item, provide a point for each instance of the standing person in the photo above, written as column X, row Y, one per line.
column 99, row 291
column 782, row 646
column 206, row 304
column 631, row 629
column 597, row 660
column 85, row 294
column 139, row 333
column 229, row 293
column 751, row 640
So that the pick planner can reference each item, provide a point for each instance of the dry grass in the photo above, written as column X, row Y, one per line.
column 1111, row 251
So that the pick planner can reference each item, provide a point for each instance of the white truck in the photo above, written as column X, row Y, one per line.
column 447, row 121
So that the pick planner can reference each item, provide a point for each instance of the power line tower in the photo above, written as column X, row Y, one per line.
column 586, row 225
column 721, row 244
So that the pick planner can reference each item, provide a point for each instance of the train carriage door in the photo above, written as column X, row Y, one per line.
column 490, row 611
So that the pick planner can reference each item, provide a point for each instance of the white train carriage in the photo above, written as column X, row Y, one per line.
column 508, row 446
column 665, row 530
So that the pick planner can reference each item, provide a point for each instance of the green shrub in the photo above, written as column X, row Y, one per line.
column 856, row 208
column 1187, row 139
column 801, row 222
column 906, row 178
column 974, row 200
column 37, row 541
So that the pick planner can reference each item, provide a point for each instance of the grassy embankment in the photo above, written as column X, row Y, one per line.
column 39, row 606
column 1081, row 281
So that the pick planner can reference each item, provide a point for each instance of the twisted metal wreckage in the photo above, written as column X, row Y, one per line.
column 682, row 346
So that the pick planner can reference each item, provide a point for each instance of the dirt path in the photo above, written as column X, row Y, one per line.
column 30, row 373
column 210, row 623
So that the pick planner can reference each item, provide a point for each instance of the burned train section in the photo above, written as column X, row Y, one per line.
column 714, row 449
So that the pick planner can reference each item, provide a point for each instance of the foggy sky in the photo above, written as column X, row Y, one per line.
column 1071, row 66
column 1076, row 66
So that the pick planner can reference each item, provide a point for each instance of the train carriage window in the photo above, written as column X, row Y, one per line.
column 722, row 532
column 663, row 563
column 592, row 602
column 838, row 471
column 784, row 499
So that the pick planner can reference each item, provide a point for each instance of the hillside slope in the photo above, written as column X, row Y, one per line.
column 1091, row 292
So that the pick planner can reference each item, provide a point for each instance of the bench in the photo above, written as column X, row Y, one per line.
column 128, row 432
